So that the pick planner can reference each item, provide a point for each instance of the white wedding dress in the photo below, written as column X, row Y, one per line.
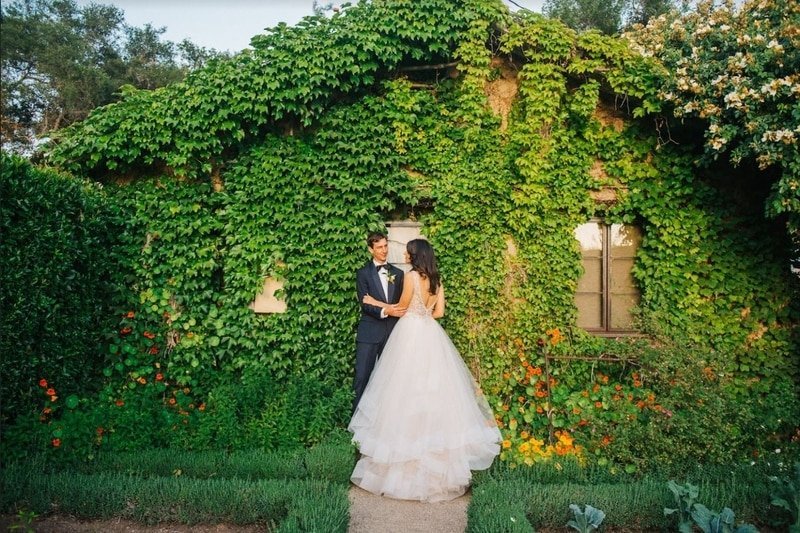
column 422, row 424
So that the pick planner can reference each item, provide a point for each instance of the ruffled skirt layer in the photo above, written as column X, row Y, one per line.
column 422, row 424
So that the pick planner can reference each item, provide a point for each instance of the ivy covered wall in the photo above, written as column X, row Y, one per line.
column 278, row 162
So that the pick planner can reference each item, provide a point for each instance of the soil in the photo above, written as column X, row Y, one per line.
column 68, row 524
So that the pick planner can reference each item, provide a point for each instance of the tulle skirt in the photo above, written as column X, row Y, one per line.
column 422, row 424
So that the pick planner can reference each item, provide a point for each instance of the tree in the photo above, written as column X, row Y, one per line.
column 608, row 16
column 581, row 15
column 59, row 61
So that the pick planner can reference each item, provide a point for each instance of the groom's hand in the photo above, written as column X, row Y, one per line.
column 395, row 310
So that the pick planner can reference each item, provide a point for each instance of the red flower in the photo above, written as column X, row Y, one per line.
column 154, row 350
column 130, row 314
column 172, row 401
column 51, row 391
column 43, row 383
column 149, row 335
column 119, row 403
column 159, row 377
column 125, row 330
column 56, row 443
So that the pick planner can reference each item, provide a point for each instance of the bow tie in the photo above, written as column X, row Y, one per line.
column 379, row 267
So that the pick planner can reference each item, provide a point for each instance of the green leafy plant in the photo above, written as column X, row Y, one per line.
column 24, row 521
column 786, row 495
column 718, row 522
column 587, row 519
column 685, row 498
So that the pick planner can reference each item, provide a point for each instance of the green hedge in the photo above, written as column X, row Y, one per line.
column 56, row 286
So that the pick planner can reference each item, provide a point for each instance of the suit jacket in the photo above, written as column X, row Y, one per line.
column 371, row 327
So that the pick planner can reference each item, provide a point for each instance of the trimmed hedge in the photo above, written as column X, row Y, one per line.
column 55, row 283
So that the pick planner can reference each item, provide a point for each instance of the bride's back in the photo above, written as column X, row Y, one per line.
column 423, row 285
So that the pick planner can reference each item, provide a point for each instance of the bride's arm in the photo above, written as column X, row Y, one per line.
column 438, row 309
column 405, row 296
column 369, row 300
column 408, row 290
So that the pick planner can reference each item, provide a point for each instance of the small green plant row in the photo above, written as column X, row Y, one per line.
column 331, row 462
column 509, row 501
column 709, row 521
column 786, row 495
column 283, row 505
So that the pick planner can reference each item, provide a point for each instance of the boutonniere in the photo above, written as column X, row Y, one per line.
column 390, row 277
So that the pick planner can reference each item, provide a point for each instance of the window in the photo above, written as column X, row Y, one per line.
column 399, row 232
column 606, row 292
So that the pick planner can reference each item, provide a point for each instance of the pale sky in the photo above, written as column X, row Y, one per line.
column 225, row 24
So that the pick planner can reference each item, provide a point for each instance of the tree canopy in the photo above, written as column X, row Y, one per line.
column 60, row 61
column 607, row 16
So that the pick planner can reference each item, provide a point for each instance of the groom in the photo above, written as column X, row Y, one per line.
column 383, row 282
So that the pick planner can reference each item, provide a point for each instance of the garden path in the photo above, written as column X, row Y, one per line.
column 373, row 514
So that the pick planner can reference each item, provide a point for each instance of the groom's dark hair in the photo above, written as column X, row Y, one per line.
column 374, row 237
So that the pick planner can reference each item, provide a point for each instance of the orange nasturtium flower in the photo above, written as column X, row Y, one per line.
column 51, row 391
column 555, row 336
column 149, row 335
column 56, row 443
column 43, row 383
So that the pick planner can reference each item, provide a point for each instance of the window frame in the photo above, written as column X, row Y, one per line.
column 605, row 264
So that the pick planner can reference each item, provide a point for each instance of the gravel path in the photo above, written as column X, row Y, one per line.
column 373, row 514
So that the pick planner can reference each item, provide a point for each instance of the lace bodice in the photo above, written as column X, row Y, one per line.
column 417, row 305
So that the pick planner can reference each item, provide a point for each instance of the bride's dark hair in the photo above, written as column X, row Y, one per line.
column 423, row 260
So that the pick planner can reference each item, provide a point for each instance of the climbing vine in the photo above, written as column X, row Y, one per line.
column 277, row 163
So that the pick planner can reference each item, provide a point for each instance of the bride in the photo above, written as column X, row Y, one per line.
column 422, row 423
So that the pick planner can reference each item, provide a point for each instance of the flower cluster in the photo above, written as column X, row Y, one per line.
column 541, row 416
column 736, row 67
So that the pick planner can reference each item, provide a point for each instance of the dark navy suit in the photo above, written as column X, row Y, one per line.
column 372, row 329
